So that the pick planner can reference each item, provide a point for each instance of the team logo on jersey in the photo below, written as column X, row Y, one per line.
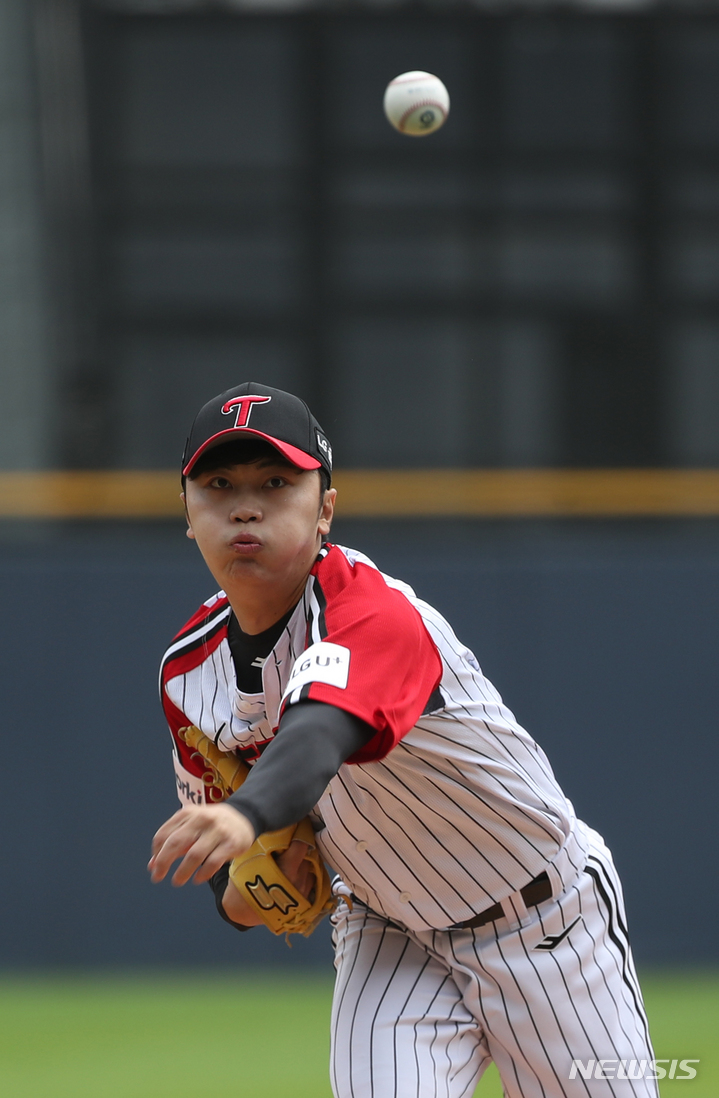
column 269, row 896
column 553, row 940
column 244, row 405
column 321, row 662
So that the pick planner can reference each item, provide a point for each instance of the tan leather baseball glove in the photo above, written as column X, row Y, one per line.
column 256, row 874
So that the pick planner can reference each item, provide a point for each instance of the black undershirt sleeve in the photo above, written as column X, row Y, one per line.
column 312, row 742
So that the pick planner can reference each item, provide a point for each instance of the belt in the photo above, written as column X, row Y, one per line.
column 536, row 892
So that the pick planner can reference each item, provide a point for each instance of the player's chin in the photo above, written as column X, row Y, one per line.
column 246, row 565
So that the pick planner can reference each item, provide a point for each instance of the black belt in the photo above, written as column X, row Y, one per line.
column 536, row 892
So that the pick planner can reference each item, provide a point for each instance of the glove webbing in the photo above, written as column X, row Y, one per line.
column 225, row 773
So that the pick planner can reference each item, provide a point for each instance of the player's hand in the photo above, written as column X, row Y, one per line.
column 205, row 837
column 298, row 871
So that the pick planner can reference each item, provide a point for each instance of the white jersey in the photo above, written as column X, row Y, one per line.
column 451, row 807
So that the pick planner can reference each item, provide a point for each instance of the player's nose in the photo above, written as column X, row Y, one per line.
column 245, row 509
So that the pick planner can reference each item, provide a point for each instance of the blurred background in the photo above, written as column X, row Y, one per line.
column 193, row 194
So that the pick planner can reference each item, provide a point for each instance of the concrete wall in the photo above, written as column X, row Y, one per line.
column 601, row 637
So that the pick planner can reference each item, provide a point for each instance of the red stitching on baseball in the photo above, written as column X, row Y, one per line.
column 416, row 106
column 410, row 80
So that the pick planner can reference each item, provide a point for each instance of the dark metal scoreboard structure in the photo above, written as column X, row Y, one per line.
column 535, row 285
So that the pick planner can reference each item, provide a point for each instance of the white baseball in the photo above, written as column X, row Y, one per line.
column 416, row 103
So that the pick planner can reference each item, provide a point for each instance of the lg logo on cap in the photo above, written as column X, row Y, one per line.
column 324, row 447
column 244, row 406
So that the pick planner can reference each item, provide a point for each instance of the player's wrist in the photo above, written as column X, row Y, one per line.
column 249, row 812
column 234, row 832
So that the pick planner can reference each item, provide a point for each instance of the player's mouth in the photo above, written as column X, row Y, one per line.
column 245, row 545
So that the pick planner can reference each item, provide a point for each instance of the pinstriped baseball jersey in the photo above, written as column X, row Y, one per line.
column 449, row 808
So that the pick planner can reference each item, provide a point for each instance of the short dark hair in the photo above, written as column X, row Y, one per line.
column 244, row 452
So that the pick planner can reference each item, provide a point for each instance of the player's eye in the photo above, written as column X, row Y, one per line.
column 276, row 482
column 219, row 482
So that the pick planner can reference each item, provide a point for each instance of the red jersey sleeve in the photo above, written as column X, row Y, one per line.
column 193, row 644
column 176, row 720
column 372, row 655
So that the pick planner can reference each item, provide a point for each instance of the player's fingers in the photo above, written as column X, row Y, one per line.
column 206, row 834
column 163, row 833
column 171, row 835
column 175, row 845
column 234, row 834
column 207, row 854
column 177, row 836
column 225, row 833
column 213, row 861
column 196, row 844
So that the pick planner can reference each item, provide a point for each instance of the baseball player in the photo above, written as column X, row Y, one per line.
column 475, row 917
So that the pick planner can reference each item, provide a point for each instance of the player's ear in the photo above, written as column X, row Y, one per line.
column 327, row 510
column 189, row 532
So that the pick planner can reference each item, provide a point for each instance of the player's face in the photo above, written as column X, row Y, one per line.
column 259, row 528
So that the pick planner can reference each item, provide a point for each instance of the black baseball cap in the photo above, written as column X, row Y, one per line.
column 257, row 411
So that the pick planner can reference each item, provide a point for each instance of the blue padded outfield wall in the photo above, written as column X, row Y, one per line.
column 602, row 637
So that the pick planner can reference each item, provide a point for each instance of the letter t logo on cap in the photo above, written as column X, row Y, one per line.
column 244, row 405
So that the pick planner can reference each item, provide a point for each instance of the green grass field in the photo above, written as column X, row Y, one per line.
column 160, row 1036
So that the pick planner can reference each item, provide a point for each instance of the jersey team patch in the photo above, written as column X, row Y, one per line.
column 190, row 788
column 321, row 662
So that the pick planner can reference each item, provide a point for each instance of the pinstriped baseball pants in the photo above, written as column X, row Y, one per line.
column 421, row 1014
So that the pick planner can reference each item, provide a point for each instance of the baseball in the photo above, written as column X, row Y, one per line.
column 416, row 103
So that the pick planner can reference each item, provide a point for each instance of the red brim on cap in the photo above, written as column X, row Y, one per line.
column 293, row 455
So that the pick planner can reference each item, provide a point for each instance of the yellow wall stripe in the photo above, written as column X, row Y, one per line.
column 374, row 493
column 97, row 494
column 527, row 492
